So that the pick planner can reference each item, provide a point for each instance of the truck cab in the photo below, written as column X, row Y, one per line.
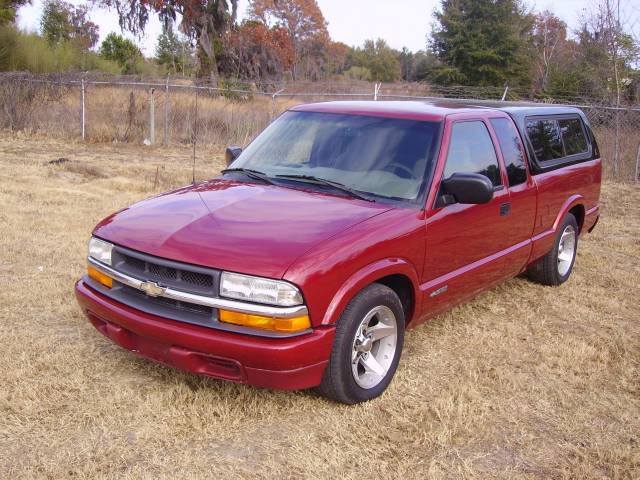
column 342, row 225
column 534, row 188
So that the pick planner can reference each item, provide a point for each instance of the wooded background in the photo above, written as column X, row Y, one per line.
column 475, row 43
column 59, row 81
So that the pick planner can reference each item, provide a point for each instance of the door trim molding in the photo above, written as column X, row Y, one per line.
column 436, row 283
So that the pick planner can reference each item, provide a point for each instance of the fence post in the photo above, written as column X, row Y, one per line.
column 504, row 95
column 637, row 177
column 616, row 145
column 165, row 134
column 376, row 90
column 152, row 117
column 82, row 118
column 273, row 103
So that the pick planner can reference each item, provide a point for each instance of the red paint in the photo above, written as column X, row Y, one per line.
column 290, row 363
column 331, row 247
column 241, row 227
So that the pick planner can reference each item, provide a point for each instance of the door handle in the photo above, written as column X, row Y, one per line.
column 505, row 209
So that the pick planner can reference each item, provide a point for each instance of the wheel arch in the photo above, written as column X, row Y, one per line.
column 396, row 273
column 578, row 211
column 574, row 205
column 403, row 288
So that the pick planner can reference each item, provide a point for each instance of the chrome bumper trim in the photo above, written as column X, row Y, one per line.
column 236, row 306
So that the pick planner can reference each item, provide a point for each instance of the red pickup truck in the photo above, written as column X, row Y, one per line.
column 341, row 225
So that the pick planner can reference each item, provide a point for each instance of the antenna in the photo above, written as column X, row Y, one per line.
column 195, row 139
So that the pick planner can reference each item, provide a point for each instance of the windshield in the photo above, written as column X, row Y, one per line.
column 386, row 157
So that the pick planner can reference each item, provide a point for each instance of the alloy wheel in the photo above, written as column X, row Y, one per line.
column 566, row 250
column 374, row 347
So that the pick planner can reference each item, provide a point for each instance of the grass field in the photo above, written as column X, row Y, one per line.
column 523, row 382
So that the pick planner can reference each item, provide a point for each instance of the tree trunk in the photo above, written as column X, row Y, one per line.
column 207, row 65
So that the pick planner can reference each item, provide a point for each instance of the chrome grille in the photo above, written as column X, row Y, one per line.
column 169, row 303
column 167, row 273
column 184, row 277
column 163, row 272
column 195, row 278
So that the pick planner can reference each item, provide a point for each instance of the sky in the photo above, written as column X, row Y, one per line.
column 405, row 24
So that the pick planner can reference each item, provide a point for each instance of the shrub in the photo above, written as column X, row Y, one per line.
column 20, row 51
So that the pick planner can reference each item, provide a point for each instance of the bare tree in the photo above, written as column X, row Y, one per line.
column 22, row 93
column 549, row 39
column 614, row 44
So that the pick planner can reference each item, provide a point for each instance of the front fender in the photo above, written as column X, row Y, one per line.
column 367, row 275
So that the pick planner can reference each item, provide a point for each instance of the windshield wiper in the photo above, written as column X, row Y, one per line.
column 255, row 174
column 323, row 181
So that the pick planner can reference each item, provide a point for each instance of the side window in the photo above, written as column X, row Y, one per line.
column 552, row 139
column 511, row 148
column 573, row 136
column 471, row 151
column 546, row 139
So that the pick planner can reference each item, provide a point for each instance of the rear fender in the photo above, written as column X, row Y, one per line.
column 571, row 202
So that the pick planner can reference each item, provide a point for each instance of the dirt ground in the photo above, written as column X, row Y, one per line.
column 523, row 382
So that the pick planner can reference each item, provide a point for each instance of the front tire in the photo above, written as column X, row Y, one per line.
column 367, row 346
column 556, row 266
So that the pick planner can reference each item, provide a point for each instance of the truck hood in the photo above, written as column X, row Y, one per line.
column 241, row 227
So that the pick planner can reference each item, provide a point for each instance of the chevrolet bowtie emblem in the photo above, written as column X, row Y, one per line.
column 152, row 289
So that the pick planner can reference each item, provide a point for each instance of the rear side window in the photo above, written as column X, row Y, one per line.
column 545, row 138
column 511, row 148
column 555, row 139
column 573, row 136
column 471, row 151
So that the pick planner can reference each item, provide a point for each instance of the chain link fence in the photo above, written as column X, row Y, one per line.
column 97, row 108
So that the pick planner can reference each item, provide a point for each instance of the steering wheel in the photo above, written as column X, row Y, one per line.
column 398, row 166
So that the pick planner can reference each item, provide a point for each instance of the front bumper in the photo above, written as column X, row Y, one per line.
column 283, row 363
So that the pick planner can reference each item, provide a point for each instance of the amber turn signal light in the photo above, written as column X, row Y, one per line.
column 294, row 324
column 99, row 277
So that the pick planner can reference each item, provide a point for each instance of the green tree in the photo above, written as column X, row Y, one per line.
column 607, row 53
column 482, row 42
column 8, row 9
column 425, row 66
column 54, row 22
column 121, row 50
column 171, row 51
column 407, row 64
column 379, row 59
column 204, row 21
column 63, row 22
column 357, row 73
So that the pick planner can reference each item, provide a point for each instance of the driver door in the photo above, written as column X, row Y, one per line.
column 467, row 245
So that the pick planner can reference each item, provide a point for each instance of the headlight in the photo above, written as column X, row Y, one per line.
column 260, row 290
column 100, row 250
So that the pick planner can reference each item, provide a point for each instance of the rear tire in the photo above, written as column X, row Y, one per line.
column 556, row 266
column 366, row 348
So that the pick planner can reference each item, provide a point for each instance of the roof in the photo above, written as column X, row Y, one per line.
column 418, row 110
column 430, row 110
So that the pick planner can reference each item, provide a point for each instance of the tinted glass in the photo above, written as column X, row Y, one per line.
column 511, row 148
column 471, row 151
column 382, row 156
column 545, row 139
column 573, row 136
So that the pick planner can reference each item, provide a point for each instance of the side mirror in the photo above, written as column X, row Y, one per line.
column 471, row 188
column 231, row 154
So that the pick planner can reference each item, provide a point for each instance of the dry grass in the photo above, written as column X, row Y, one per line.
column 523, row 382
column 121, row 114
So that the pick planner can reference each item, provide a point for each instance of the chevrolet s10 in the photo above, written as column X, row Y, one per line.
column 340, row 226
